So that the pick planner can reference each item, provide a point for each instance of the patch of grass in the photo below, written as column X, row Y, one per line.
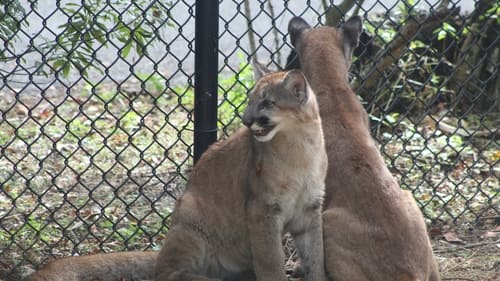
column 154, row 83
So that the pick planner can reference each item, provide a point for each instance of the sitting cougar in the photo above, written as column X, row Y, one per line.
column 245, row 192
column 373, row 230
column 242, row 195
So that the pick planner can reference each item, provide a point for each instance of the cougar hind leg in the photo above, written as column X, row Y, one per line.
column 434, row 273
column 182, row 257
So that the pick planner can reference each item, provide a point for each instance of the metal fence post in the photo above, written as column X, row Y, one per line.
column 206, row 71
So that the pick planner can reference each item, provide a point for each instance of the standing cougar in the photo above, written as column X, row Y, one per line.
column 242, row 195
column 373, row 230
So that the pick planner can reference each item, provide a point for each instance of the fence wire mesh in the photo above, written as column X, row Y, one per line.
column 97, row 99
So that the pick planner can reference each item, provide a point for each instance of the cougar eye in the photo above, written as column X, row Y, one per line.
column 266, row 104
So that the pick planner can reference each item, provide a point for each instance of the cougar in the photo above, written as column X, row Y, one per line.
column 243, row 194
column 372, row 229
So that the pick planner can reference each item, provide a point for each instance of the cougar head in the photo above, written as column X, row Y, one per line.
column 276, row 103
column 347, row 35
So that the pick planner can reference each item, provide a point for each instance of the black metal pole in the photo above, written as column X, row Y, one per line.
column 205, row 77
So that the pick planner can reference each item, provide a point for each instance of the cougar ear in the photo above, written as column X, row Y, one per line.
column 296, row 83
column 351, row 31
column 292, row 61
column 259, row 69
column 295, row 27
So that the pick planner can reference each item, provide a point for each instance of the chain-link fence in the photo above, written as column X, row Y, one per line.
column 97, row 99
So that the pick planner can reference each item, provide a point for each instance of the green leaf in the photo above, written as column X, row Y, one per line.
column 392, row 118
column 88, row 38
column 99, row 36
column 58, row 63
column 441, row 35
column 66, row 69
column 126, row 49
column 445, row 30
column 78, row 25
column 416, row 44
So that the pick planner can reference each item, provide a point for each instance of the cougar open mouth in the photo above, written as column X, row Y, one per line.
column 262, row 131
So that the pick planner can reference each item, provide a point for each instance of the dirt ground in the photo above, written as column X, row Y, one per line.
column 464, row 252
column 468, row 252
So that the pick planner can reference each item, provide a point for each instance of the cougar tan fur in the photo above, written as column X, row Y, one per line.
column 111, row 266
column 373, row 230
column 242, row 195
column 245, row 192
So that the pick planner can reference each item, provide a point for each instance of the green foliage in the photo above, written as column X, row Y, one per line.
column 407, row 7
column 232, row 96
column 385, row 30
column 493, row 12
column 446, row 30
column 383, row 33
column 91, row 25
column 235, row 89
column 97, row 20
column 11, row 19
column 153, row 83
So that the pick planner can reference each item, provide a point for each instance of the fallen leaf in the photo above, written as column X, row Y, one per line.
column 6, row 188
column 453, row 238
column 435, row 231
column 495, row 156
column 490, row 234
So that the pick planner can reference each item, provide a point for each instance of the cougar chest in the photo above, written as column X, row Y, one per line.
column 292, row 178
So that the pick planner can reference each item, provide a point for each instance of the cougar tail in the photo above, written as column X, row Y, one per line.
column 111, row 266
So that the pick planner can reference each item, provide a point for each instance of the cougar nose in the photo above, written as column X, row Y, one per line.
column 247, row 120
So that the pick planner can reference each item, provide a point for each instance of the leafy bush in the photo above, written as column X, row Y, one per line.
column 91, row 26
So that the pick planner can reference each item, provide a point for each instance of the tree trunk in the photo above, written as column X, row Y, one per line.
column 251, row 34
